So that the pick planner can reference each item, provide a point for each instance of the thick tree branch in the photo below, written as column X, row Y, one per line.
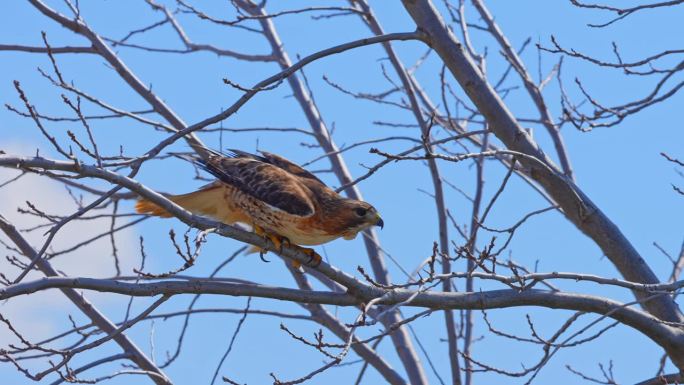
column 670, row 338
column 578, row 208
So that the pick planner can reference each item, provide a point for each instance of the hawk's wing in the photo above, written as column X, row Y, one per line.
column 258, row 177
column 280, row 162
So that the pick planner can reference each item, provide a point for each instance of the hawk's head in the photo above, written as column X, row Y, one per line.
column 352, row 216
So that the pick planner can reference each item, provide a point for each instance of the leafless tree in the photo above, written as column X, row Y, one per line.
column 466, row 274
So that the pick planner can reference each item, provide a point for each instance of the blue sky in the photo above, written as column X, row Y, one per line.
column 619, row 168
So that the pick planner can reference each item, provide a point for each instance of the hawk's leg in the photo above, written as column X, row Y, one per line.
column 279, row 241
column 314, row 258
column 275, row 239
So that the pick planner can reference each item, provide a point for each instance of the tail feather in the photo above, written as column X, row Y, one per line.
column 209, row 202
column 143, row 206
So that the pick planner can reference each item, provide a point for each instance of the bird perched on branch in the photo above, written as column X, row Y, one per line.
column 279, row 199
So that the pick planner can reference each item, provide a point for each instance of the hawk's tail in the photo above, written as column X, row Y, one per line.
column 143, row 206
column 201, row 202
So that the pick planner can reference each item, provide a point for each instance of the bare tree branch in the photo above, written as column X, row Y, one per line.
column 576, row 205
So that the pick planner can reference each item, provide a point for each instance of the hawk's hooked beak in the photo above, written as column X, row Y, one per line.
column 379, row 222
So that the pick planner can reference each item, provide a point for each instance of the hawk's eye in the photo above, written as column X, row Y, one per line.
column 360, row 212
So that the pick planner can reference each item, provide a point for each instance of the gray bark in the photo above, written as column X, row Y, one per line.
column 577, row 207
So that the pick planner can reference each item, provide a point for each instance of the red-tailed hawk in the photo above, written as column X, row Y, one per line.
column 279, row 199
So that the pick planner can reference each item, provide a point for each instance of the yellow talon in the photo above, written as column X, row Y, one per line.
column 278, row 241
column 314, row 258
